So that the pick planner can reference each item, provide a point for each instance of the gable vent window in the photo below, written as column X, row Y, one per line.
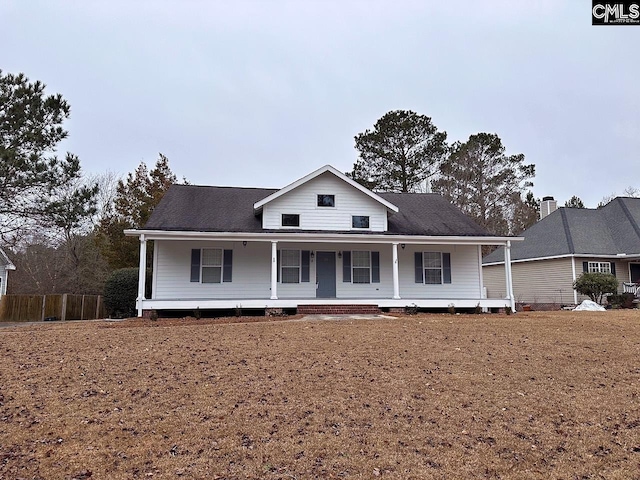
column 360, row 221
column 290, row 220
column 326, row 200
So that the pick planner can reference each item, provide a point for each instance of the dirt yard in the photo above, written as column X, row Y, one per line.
column 533, row 395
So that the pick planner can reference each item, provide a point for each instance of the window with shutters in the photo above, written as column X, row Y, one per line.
column 361, row 267
column 432, row 262
column 433, row 268
column 599, row 267
column 211, row 265
column 290, row 266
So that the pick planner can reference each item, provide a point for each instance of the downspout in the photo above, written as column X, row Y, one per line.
column 573, row 274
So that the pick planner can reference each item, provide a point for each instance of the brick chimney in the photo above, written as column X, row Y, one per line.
column 547, row 206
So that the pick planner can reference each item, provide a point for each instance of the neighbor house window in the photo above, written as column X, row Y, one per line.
column 361, row 264
column 211, row 265
column 360, row 221
column 599, row 267
column 290, row 220
column 326, row 200
column 290, row 266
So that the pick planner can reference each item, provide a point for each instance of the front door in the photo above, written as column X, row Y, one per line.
column 326, row 274
column 635, row 272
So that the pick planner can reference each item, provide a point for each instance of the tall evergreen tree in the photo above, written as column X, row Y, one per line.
column 483, row 181
column 401, row 152
column 34, row 182
column 574, row 202
column 136, row 197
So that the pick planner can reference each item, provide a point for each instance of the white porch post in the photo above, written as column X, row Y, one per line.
column 480, row 276
column 274, row 270
column 573, row 275
column 508, row 277
column 396, row 280
column 142, row 272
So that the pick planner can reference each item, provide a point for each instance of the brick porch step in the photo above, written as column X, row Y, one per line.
column 338, row 309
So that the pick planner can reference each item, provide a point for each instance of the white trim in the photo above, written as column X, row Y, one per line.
column 260, row 303
column 274, row 270
column 509, row 279
column 154, row 272
column 305, row 237
column 142, row 273
column 573, row 275
column 480, row 277
column 8, row 264
column 624, row 256
column 327, row 168
column 396, row 271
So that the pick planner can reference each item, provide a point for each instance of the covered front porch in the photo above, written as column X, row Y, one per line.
column 210, row 271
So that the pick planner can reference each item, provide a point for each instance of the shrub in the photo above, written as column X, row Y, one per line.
column 596, row 285
column 624, row 300
column 121, row 291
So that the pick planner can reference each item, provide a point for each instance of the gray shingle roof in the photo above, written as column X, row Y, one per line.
column 610, row 230
column 230, row 209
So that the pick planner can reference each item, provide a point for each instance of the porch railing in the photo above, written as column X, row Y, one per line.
column 631, row 288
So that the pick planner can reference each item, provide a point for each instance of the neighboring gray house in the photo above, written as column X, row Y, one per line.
column 5, row 266
column 322, row 241
column 565, row 243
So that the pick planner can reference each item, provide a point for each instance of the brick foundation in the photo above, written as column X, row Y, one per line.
column 147, row 313
column 338, row 309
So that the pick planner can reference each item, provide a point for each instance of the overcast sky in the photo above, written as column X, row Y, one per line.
column 260, row 93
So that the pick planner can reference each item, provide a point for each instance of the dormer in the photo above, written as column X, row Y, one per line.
column 325, row 200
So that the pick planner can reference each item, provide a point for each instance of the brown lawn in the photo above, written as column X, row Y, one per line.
column 534, row 395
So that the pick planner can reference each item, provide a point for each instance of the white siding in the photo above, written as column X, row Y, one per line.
column 251, row 271
column 465, row 279
column 252, row 267
column 303, row 201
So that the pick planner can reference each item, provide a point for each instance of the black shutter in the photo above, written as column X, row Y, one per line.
column 446, row 268
column 304, row 274
column 419, row 268
column 585, row 266
column 613, row 268
column 227, row 265
column 278, row 265
column 346, row 267
column 195, row 265
column 375, row 267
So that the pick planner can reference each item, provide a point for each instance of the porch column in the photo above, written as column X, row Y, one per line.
column 508, row 278
column 480, row 274
column 396, row 281
column 142, row 272
column 274, row 270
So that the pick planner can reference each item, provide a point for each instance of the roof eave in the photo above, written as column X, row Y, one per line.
column 329, row 237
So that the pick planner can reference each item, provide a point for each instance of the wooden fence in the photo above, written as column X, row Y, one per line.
column 29, row 308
